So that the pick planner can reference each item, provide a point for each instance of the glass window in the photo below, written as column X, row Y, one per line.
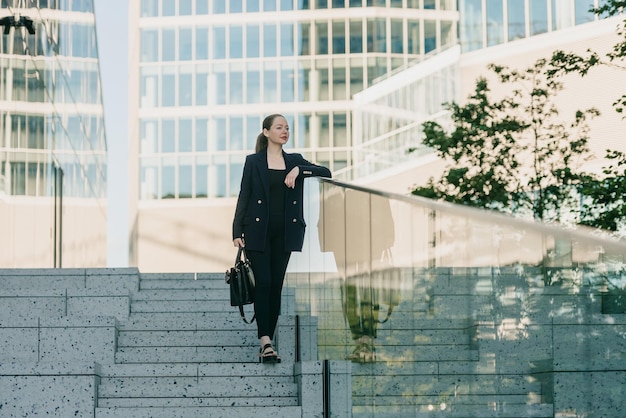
column 270, row 83
column 340, row 130
column 339, row 37
column 185, row 45
column 286, row 4
column 538, row 16
column 582, row 11
column 356, row 37
column 413, row 37
column 168, row 139
column 269, row 5
column 286, row 39
column 169, row 8
column 236, row 42
column 202, row 7
column 287, row 92
column 235, row 6
column 220, row 135
column 269, row 40
column 168, row 90
column 185, row 90
column 149, row 136
column 148, row 92
column 321, row 4
column 517, row 20
column 219, row 42
column 355, row 3
column 202, row 171
column 253, row 84
column 252, row 6
column 149, row 8
column 495, row 22
column 430, row 36
column 202, row 43
column 338, row 4
column 430, row 4
column 217, row 179
column 236, row 133
column 168, row 179
column 149, row 45
column 339, row 82
column 201, row 135
column 324, row 130
column 376, row 35
column 236, row 86
column 471, row 24
column 357, row 79
column 397, row 35
column 202, row 88
column 185, row 138
column 220, row 87
column 304, row 40
column 253, row 37
column 219, row 7
column 169, row 45
column 149, row 182
column 253, row 129
column 185, row 185
column 184, row 7
column 322, row 38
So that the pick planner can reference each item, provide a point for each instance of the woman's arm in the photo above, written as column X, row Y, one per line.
column 304, row 169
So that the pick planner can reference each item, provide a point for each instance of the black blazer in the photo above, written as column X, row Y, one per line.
column 252, row 211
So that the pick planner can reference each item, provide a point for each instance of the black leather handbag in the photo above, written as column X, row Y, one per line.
column 240, row 278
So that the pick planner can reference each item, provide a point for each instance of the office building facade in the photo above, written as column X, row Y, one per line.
column 352, row 77
column 53, row 150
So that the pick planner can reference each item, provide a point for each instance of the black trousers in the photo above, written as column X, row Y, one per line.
column 269, row 268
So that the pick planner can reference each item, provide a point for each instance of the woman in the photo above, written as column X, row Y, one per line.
column 269, row 221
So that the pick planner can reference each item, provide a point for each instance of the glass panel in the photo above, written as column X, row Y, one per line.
column 517, row 20
column 201, row 90
column 253, row 84
column 202, row 134
column 149, row 45
column 168, row 138
column 185, row 138
column 149, row 8
column 269, row 5
column 339, row 37
column 269, row 40
column 184, row 7
column 185, row 45
column 219, row 42
column 169, row 8
column 322, row 38
column 430, row 36
column 236, row 42
column 202, row 171
column 286, row 39
column 168, row 90
column 397, row 37
column 495, row 22
column 202, row 7
column 236, row 6
column 270, row 83
column 538, row 16
column 582, row 11
column 253, row 41
column 185, row 90
column 169, row 45
column 168, row 179
column 399, row 285
column 356, row 36
column 471, row 24
column 252, row 5
column 185, row 184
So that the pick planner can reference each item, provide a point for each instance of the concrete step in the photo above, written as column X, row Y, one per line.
column 183, row 338
column 218, row 293
column 226, row 320
column 172, row 306
column 193, row 354
column 201, row 412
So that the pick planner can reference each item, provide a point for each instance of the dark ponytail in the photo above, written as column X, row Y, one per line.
column 261, row 140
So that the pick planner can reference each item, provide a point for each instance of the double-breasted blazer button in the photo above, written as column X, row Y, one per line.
column 257, row 219
column 295, row 202
column 294, row 220
column 259, row 201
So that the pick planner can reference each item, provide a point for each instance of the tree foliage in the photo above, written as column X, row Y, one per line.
column 514, row 154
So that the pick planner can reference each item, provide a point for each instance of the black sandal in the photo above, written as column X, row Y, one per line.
column 267, row 354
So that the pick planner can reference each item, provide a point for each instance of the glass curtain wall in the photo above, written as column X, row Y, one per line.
column 487, row 23
column 211, row 70
column 53, row 152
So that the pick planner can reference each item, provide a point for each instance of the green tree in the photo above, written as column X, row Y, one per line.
column 603, row 201
column 513, row 154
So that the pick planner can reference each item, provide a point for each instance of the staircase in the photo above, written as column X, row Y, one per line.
column 184, row 352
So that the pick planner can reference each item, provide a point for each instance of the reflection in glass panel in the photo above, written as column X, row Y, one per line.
column 149, row 8
column 168, row 8
column 286, row 4
column 304, row 39
column 356, row 36
column 202, row 171
column 201, row 90
column 235, row 6
column 339, row 37
column 287, row 89
column 253, row 84
column 235, row 178
column 220, row 87
column 495, row 22
column 185, row 90
column 517, row 20
column 219, row 7
column 202, row 7
column 269, row 5
column 236, row 85
column 168, row 90
column 236, row 41
column 149, row 136
column 184, row 44
column 430, row 36
column 220, row 134
column 339, row 87
column 538, row 16
column 149, row 181
column 252, row 6
column 149, row 45
column 270, row 83
column 253, row 129
column 184, row 7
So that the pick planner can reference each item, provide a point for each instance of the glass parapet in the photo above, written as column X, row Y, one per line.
column 455, row 310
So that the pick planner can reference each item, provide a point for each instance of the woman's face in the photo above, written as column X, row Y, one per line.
column 279, row 131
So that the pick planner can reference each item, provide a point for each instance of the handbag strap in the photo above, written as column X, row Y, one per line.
column 243, row 315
